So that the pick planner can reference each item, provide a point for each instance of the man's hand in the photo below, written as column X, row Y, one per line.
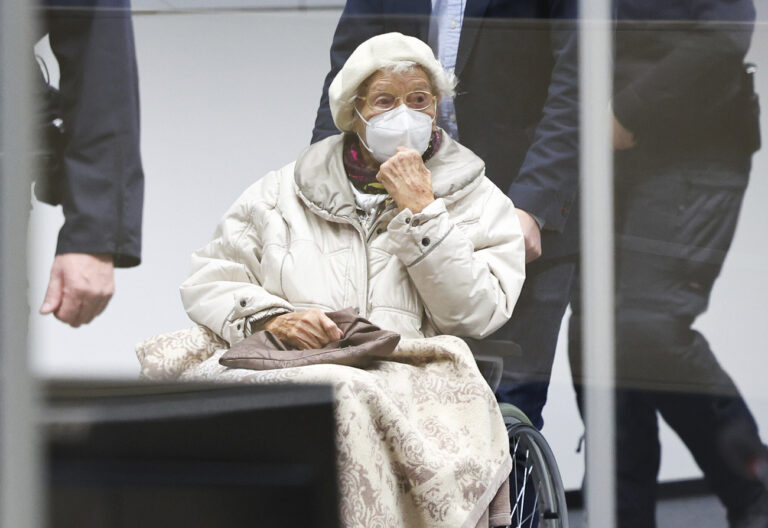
column 623, row 139
column 407, row 180
column 80, row 288
column 531, row 234
column 304, row 330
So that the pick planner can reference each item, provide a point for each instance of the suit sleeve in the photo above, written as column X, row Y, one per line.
column 548, row 179
column 720, row 35
column 360, row 20
column 103, row 177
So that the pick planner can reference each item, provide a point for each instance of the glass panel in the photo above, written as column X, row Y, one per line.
column 19, row 446
column 685, row 128
column 230, row 91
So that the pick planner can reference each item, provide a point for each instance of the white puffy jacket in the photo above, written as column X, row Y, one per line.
column 294, row 241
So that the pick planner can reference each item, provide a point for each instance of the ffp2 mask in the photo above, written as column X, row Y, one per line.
column 399, row 127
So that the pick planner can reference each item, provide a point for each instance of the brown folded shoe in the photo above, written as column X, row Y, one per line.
column 361, row 343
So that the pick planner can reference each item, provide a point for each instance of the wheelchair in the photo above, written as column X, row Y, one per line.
column 536, row 488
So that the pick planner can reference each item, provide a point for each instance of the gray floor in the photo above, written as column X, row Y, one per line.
column 698, row 512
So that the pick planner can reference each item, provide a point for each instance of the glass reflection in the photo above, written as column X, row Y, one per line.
column 685, row 126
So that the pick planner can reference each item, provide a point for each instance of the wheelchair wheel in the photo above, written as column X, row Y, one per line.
column 538, row 496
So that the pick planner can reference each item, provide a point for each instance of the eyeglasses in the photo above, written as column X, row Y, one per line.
column 382, row 101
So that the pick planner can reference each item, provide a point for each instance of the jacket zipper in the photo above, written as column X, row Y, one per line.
column 288, row 253
column 380, row 220
column 363, row 309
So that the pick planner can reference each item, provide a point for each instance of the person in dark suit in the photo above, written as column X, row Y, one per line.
column 99, row 178
column 516, row 107
column 685, row 128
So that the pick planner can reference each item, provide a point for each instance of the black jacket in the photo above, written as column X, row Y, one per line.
column 101, row 184
column 516, row 100
column 680, row 84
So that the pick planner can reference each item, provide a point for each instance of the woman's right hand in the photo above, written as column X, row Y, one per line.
column 407, row 180
column 304, row 330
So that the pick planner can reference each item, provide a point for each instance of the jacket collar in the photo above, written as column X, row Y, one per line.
column 321, row 182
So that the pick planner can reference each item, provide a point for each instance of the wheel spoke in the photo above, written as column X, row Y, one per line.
column 515, row 509
column 529, row 449
column 520, row 496
column 525, row 480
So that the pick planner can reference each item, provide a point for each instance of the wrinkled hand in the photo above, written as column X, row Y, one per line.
column 407, row 180
column 304, row 330
column 80, row 287
column 623, row 139
column 531, row 234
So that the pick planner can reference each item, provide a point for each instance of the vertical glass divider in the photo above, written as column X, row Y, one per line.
column 597, row 256
column 20, row 444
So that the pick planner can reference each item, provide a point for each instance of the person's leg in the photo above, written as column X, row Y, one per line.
column 637, row 445
column 722, row 438
column 638, row 454
column 673, row 237
column 535, row 326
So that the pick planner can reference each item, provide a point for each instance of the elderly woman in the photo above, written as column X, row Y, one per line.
column 396, row 220
column 391, row 217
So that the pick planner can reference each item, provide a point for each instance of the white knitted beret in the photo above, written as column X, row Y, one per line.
column 376, row 53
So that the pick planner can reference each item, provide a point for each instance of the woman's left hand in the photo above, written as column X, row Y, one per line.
column 407, row 180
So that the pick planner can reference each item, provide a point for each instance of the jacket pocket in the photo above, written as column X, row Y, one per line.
column 309, row 276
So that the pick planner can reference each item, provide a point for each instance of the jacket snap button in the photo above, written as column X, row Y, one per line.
column 425, row 241
column 415, row 222
column 243, row 302
column 408, row 220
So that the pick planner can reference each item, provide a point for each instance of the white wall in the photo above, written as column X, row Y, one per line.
column 227, row 97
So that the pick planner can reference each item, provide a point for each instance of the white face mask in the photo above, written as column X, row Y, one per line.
column 399, row 127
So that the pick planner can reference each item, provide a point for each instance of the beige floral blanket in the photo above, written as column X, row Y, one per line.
column 420, row 439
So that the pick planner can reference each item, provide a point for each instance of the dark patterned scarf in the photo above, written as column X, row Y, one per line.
column 363, row 178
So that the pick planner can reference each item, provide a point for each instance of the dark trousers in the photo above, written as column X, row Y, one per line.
column 674, row 225
column 535, row 325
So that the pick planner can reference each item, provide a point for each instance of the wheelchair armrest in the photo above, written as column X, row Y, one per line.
column 489, row 355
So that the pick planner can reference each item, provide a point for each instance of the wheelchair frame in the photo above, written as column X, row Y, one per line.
column 539, row 495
